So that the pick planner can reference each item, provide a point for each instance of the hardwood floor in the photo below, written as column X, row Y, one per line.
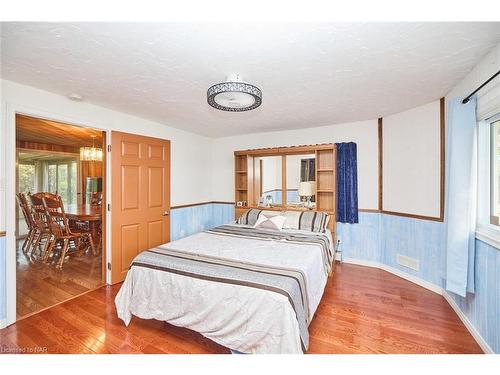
column 40, row 285
column 363, row 310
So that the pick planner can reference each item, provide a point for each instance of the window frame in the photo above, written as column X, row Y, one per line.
column 486, row 231
column 494, row 183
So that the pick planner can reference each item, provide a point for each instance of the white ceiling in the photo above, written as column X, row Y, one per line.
column 310, row 74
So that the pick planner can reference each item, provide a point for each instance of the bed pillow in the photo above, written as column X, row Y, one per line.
column 249, row 217
column 274, row 222
column 314, row 221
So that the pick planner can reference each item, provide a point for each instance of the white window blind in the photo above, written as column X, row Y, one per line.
column 488, row 100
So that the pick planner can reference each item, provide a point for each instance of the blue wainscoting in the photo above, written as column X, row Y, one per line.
column 185, row 221
column 483, row 307
column 379, row 238
column 415, row 238
column 3, row 297
column 362, row 240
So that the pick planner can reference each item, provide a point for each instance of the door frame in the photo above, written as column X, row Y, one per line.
column 9, row 120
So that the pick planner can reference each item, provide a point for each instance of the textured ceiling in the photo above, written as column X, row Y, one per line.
column 310, row 74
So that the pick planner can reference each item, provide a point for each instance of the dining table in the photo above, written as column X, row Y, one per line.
column 89, row 213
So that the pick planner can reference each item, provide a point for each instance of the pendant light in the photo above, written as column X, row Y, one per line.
column 91, row 153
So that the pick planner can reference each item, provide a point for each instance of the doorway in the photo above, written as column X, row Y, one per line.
column 58, row 167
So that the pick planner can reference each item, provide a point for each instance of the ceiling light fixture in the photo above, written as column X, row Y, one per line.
column 234, row 95
column 91, row 153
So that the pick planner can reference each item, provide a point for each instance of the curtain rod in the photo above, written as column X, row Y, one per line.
column 466, row 100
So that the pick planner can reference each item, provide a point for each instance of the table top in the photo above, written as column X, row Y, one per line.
column 84, row 212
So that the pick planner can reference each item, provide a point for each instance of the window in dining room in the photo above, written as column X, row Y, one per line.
column 27, row 177
column 62, row 178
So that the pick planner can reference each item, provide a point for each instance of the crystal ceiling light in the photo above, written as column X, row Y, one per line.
column 91, row 153
column 234, row 95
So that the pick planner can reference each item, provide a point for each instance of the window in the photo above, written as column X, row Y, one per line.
column 495, row 173
column 26, row 178
column 27, row 184
column 62, row 179
column 307, row 170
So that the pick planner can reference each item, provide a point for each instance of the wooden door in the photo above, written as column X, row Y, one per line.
column 140, row 206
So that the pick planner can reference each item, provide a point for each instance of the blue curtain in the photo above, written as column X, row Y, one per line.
column 460, row 203
column 347, row 183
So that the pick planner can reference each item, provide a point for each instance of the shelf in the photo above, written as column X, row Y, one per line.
column 325, row 159
column 241, row 171
column 241, row 189
column 325, row 170
column 324, row 191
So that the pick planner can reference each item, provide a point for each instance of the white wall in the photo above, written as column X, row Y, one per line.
column 190, row 153
column 411, row 160
column 2, row 147
column 364, row 133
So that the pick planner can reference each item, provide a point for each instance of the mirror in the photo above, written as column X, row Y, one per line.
column 300, row 180
column 268, row 184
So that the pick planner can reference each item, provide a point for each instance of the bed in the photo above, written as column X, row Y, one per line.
column 249, row 289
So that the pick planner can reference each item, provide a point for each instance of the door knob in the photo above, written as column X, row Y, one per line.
column 166, row 213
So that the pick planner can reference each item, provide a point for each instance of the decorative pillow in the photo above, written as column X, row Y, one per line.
column 249, row 217
column 292, row 219
column 274, row 222
column 314, row 221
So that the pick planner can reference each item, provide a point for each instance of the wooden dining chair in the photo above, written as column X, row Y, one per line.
column 41, row 234
column 62, row 235
column 30, row 222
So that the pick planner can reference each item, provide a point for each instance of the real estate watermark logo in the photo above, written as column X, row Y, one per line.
column 4, row 349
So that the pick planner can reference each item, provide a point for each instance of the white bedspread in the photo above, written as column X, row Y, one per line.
column 242, row 318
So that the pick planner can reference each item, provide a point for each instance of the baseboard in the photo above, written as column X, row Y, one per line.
column 397, row 272
column 414, row 279
column 3, row 323
column 359, row 262
column 470, row 327
column 432, row 287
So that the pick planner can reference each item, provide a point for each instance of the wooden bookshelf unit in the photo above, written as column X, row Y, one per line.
column 325, row 180
column 247, row 177
column 241, row 178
